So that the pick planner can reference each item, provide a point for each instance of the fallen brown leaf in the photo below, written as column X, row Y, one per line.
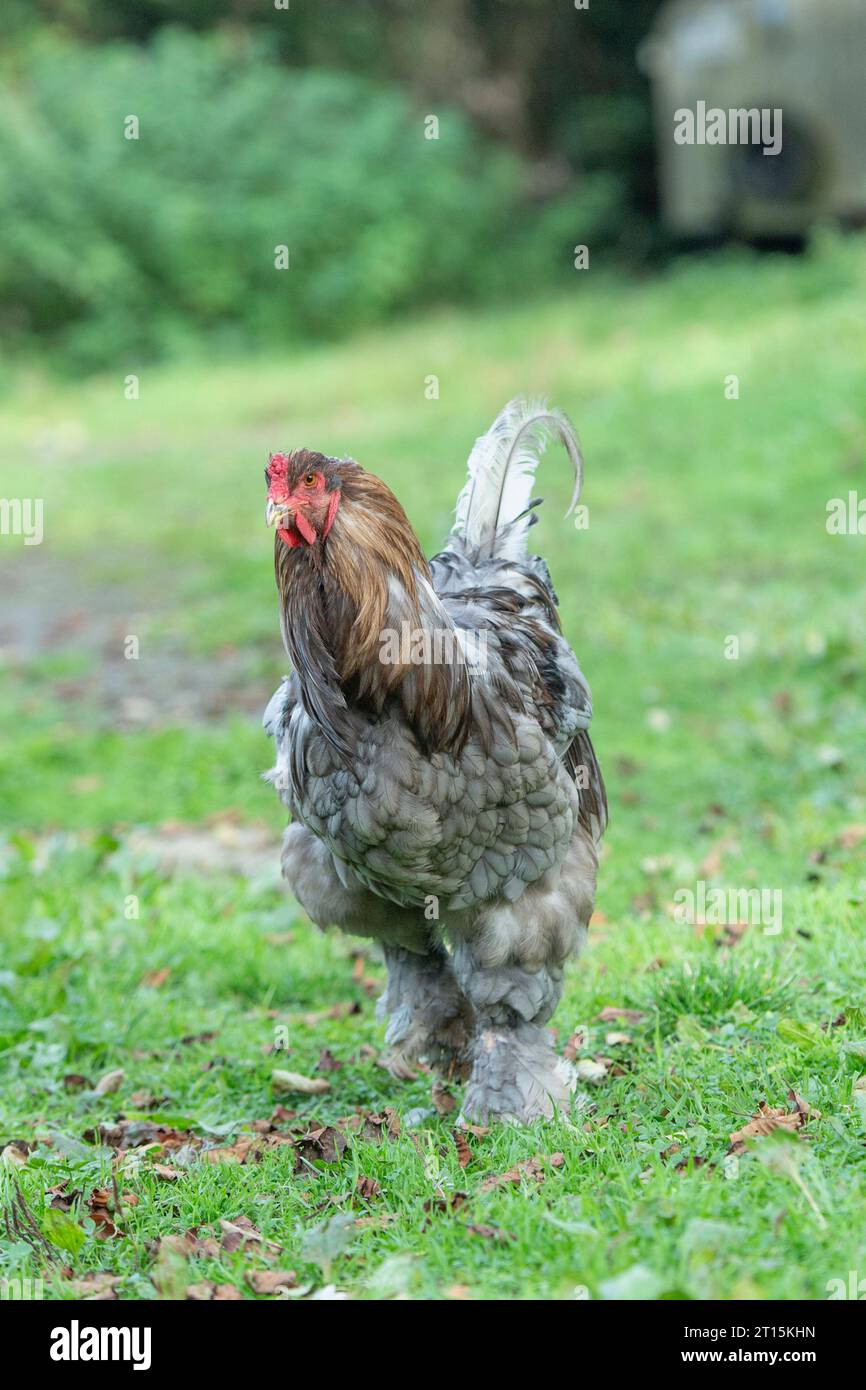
column 342, row 1010
column 61, row 1200
column 189, row 1243
column 461, row 1144
column 711, row 865
column 269, row 1280
column 770, row 1118
column 294, row 1081
column 146, row 1100
column 325, row 1144
column 74, row 1082
column 453, row 1202
column 443, row 1100
column 375, row 1127
column 95, row 1286
column 154, row 979
column 851, row 835
column 166, row 1172
column 593, row 1069
column 527, row 1168
column 111, row 1081
column 241, row 1233
column 612, row 1014
column 490, row 1232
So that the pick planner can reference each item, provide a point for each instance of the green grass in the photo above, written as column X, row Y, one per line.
column 707, row 520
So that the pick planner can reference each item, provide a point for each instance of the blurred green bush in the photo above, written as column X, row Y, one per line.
column 113, row 247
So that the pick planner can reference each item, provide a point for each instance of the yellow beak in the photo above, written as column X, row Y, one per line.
column 275, row 514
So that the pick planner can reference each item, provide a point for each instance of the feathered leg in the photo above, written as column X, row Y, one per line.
column 510, row 967
column 429, row 1020
column 515, row 1072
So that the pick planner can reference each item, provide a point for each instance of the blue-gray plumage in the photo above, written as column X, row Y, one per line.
column 433, row 750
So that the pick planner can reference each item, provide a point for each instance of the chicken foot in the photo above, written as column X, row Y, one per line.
column 429, row 1018
column 515, row 1073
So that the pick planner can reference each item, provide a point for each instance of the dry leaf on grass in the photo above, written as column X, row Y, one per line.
column 135, row 1134
column 154, row 979
column 95, row 1286
column 324, row 1144
column 461, row 1144
column 711, row 865
column 248, row 1148
column 379, row 1222
column 453, row 1202
column 593, row 1069
column 490, row 1232
column 61, row 1200
column 534, row 1168
column 769, row 1119
column 443, row 1101
column 111, row 1081
column 166, row 1172
column 146, row 1100
column 279, row 1116
column 270, row 1280
column 367, row 1188
column 375, row 1127
column 612, row 1014
column 696, row 1161
column 342, row 1010
column 240, row 1234
column 98, row 1210
column 208, row 1292
column 731, row 933
column 189, row 1243
column 293, row 1081
column 851, row 835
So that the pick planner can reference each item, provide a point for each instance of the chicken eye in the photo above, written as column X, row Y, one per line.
column 310, row 480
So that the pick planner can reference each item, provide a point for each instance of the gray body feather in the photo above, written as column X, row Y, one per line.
column 490, row 844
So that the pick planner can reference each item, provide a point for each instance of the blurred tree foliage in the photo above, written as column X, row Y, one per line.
column 304, row 126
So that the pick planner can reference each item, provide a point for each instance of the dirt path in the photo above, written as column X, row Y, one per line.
column 54, row 612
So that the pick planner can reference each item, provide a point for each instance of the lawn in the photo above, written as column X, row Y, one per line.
column 154, row 976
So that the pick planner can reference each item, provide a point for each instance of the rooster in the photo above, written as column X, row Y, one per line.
column 432, row 746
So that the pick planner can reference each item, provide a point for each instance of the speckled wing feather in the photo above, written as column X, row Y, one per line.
column 484, row 818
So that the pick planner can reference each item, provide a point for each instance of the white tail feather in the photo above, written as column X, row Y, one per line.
column 492, row 513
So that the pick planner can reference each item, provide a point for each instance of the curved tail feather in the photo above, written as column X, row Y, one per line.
column 494, row 510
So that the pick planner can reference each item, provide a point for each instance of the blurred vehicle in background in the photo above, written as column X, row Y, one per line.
column 803, row 57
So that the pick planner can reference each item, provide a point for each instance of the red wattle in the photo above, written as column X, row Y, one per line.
column 333, row 504
column 305, row 528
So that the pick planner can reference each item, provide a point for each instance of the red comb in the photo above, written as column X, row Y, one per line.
column 278, row 465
